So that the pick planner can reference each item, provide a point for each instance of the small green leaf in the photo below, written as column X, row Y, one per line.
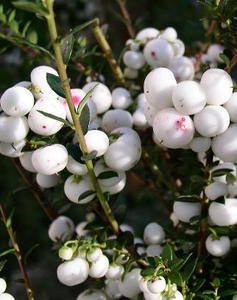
column 175, row 277
column 178, row 263
column 9, row 219
column 55, row 84
column 33, row 37
column 221, row 172
column 9, row 251
column 65, row 122
column 26, row 27
column 31, row 7
column 189, row 269
column 2, row 264
column 153, row 261
column 228, row 292
column 14, row 26
column 85, row 119
column 168, row 253
column 85, row 98
column 12, row 16
column 188, row 198
column 216, row 282
column 79, row 28
column 199, row 284
column 90, row 156
column 107, row 174
column 66, row 47
column 225, row 58
column 148, row 272
column 75, row 151
column 85, row 195
column 3, row 18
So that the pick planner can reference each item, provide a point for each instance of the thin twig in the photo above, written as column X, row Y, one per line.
column 107, row 52
column 39, row 196
column 127, row 18
column 232, row 63
column 17, row 252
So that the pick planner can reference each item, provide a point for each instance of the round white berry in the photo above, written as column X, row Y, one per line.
column 188, row 97
column 223, row 214
column 231, row 107
column 25, row 84
column 94, row 254
column 38, row 78
column 99, row 267
column 101, row 96
column 157, row 286
column 61, row 228
column 216, row 190
column 141, row 100
column 65, row 253
column 17, row 101
column 50, row 159
column 158, row 87
column 146, row 34
column 13, row 129
column 232, row 189
column 218, row 247
column 75, row 187
column 112, row 290
column 143, row 285
column 184, row 211
column 26, row 161
column 234, row 297
column 179, row 48
column 73, row 272
column 133, row 44
column 121, row 98
column 224, row 145
column 92, row 295
column 153, row 234
column 158, row 53
column 13, row 149
column 129, row 286
column 218, row 86
column 182, row 68
column 115, row 271
column 150, row 112
column 226, row 165
column 76, row 167
column 81, row 231
column 97, row 140
column 213, row 52
column 139, row 118
column 151, row 296
column 212, row 120
column 47, row 181
column 200, row 144
column 6, row 296
column 3, row 285
column 133, row 59
column 130, row 73
column 169, row 34
column 172, row 128
column 154, row 250
column 42, row 124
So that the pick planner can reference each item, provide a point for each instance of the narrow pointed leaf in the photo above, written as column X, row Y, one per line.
column 168, row 253
column 85, row 195
column 84, row 100
column 80, row 27
column 2, row 264
column 89, row 156
column 67, row 47
column 31, row 7
column 85, row 119
column 56, row 84
column 107, row 174
column 65, row 122
column 75, row 152
column 9, row 251
column 189, row 269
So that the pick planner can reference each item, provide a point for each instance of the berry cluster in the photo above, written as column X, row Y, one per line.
column 3, row 295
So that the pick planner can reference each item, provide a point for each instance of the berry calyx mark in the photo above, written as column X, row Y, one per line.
column 180, row 124
column 44, row 126
column 76, row 100
column 153, row 53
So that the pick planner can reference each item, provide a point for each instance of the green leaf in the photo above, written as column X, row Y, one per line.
column 9, row 251
column 107, row 174
column 9, row 219
column 168, row 253
column 153, row 261
column 85, row 195
column 75, row 151
column 85, row 119
column 65, row 122
column 84, row 100
column 66, row 47
column 26, row 27
column 189, row 269
column 175, row 277
column 56, row 84
column 188, row 198
column 89, row 156
column 199, row 284
column 225, row 58
column 31, row 7
column 216, row 282
column 178, row 263
column 2, row 264
column 14, row 26
column 228, row 292
column 148, row 272
column 33, row 37
column 3, row 18
column 79, row 28
column 12, row 16
column 221, row 172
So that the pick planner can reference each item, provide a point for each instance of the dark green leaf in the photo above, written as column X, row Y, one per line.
column 199, row 284
column 153, row 261
column 221, row 172
column 80, row 27
column 175, row 277
column 195, row 220
column 125, row 238
column 89, row 156
column 2, row 264
column 85, row 98
column 189, row 269
column 9, row 251
column 228, row 292
column 85, row 119
column 85, row 195
column 26, row 27
column 178, row 263
column 208, row 292
column 224, row 58
column 75, row 151
column 55, row 84
column 67, row 47
column 148, row 272
column 168, row 253
column 31, row 7
column 33, row 37
column 216, row 282
column 188, row 198
column 9, row 219
column 107, row 174
column 65, row 122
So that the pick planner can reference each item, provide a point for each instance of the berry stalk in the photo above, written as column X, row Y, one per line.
column 63, row 75
column 17, row 251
